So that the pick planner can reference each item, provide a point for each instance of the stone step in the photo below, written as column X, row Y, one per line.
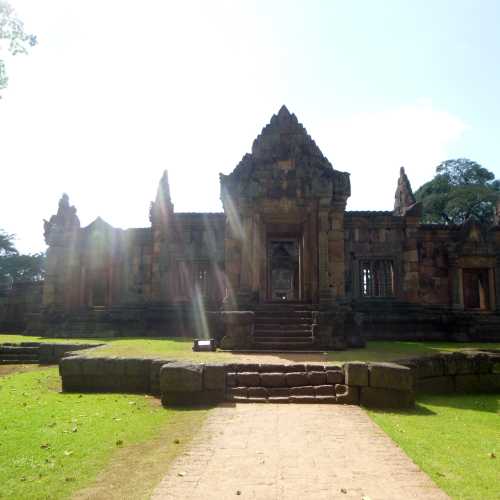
column 283, row 346
column 18, row 361
column 18, row 350
column 18, row 356
column 281, row 320
column 286, row 340
column 303, row 332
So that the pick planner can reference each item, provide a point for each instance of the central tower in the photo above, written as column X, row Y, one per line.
column 284, row 206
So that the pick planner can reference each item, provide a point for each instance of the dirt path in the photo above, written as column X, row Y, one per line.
column 268, row 452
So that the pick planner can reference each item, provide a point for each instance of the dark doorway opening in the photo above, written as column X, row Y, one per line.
column 284, row 269
column 476, row 289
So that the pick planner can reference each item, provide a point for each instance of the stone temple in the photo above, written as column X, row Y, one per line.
column 284, row 266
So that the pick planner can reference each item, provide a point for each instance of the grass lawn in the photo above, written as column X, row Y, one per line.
column 181, row 348
column 454, row 439
column 109, row 446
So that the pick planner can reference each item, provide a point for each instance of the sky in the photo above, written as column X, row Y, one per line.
column 115, row 92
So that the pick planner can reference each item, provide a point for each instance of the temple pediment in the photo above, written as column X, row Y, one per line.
column 285, row 162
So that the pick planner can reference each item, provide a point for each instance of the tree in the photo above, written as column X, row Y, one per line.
column 15, row 267
column 12, row 30
column 460, row 189
column 7, row 244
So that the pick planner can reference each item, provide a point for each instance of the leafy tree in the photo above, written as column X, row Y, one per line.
column 12, row 30
column 15, row 267
column 460, row 189
column 7, row 244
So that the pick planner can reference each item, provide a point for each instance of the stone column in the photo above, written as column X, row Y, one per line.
column 495, row 284
column 457, row 289
column 326, row 295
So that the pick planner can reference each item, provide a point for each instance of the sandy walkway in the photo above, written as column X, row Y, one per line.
column 266, row 451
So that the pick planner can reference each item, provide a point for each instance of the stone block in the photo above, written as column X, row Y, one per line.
column 347, row 394
column 302, row 399
column 467, row 383
column 278, row 399
column 70, row 366
column 214, row 377
column 375, row 397
column 137, row 367
column 356, row 373
column 489, row 382
column 241, row 392
column 307, row 390
column 335, row 377
column 279, row 392
column 115, row 367
column 435, row 385
column 294, row 368
column 273, row 380
column 481, row 362
column 246, row 367
column 257, row 392
column 324, row 390
column 390, row 376
column 270, row 368
column 295, row 379
column 458, row 363
column 181, row 377
column 257, row 400
column 231, row 379
column 317, row 378
column 433, row 366
column 248, row 379
column 93, row 366
column 314, row 368
column 195, row 398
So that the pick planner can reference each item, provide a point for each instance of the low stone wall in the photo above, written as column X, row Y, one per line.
column 37, row 352
column 377, row 385
column 456, row 372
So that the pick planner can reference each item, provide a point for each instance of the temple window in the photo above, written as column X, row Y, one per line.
column 377, row 278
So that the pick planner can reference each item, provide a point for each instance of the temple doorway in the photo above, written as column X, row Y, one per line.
column 284, row 269
column 476, row 289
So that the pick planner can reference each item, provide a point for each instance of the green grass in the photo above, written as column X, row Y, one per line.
column 54, row 444
column 454, row 439
column 181, row 348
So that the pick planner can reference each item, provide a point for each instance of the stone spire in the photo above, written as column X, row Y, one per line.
column 162, row 207
column 404, row 198
column 62, row 226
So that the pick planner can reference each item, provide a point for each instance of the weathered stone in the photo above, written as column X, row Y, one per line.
column 324, row 390
column 307, row 390
column 313, row 367
column 195, row 398
column 348, row 395
column 356, row 373
column 257, row 392
column 273, row 379
column 270, row 368
column 248, row 378
column 433, row 366
column 231, row 379
column 467, row 383
column 281, row 392
column 93, row 366
column 375, row 397
column 489, row 382
column 326, row 399
column 390, row 376
column 137, row 367
column 295, row 368
column 257, row 400
column 247, row 367
column 238, row 391
column 214, row 377
column 335, row 377
column 317, row 378
column 70, row 366
column 278, row 399
column 181, row 377
column 435, row 385
column 295, row 379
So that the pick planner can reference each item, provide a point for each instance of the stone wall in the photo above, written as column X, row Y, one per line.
column 17, row 304
column 377, row 385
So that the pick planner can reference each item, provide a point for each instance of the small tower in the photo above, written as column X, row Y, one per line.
column 162, row 208
column 404, row 198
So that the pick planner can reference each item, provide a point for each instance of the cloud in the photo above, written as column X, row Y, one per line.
column 373, row 145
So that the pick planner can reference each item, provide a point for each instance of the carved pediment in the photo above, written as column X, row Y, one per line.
column 285, row 163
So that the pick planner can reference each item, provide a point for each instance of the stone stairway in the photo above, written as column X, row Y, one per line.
column 283, row 327
column 15, row 354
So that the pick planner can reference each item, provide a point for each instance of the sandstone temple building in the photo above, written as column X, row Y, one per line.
column 284, row 266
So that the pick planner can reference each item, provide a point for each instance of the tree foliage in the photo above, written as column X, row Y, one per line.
column 460, row 189
column 12, row 30
column 15, row 267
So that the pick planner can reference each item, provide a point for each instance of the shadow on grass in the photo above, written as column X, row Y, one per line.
column 418, row 410
column 473, row 402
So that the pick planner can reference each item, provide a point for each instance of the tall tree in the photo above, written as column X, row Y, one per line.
column 7, row 244
column 460, row 189
column 12, row 30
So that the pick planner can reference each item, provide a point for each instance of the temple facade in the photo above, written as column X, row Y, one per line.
column 285, row 265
